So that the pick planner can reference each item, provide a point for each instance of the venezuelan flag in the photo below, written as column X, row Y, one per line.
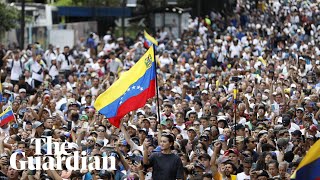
column 6, row 116
column 130, row 91
column 309, row 167
column 149, row 40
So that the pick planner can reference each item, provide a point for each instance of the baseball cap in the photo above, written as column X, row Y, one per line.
column 296, row 133
column 204, row 92
column 293, row 86
column 36, row 124
column 282, row 141
column 262, row 132
column 146, row 119
column 100, row 142
column 264, row 173
column 204, row 136
column 72, row 146
column 124, row 143
column 84, row 117
column 313, row 128
column 22, row 90
column 192, row 129
column 143, row 130
column 221, row 118
column 300, row 108
column 285, row 121
column 234, row 151
column 239, row 126
column 222, row 159
column 6, row 91
column 175, row 127
column 133, row 126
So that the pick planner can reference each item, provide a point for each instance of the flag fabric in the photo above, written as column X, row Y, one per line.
column 309, row 167
column 150, row 39
column 130, row 91
column 6, row 116
column 147, row 44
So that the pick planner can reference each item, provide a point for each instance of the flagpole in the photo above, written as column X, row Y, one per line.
column 157, row 90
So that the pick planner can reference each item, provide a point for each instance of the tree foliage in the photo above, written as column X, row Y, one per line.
column 9, row 17
column 88, row 3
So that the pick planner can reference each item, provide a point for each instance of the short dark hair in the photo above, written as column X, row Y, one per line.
column 234, row 168
column 103, row 126
column 22, row 142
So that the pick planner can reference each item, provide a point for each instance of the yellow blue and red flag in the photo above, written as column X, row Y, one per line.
column 149, row 40
column 130, row 91
column 309, row 167
column 6, row 116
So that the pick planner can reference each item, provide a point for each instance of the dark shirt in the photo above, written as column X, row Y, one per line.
column 3, row 176
column 166, row 166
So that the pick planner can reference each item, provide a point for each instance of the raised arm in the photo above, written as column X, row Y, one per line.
column 216, row 151
column 145, row 153
column 126, row 136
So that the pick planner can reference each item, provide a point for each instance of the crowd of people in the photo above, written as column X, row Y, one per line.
column 238, row 95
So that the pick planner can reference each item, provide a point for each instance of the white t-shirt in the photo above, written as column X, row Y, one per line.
column 53, row 71
column 94, row 91
column 16, row 69
column 64, row 63
column 293, row 127
column 235, row 51
column 243, row 176
column 70, row 86
column 165, row 61
column 35, row 68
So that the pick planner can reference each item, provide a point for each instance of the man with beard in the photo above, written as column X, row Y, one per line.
column 229, row 171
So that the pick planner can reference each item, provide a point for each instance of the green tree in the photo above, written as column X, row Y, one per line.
column 9, row 17
column 88, row 3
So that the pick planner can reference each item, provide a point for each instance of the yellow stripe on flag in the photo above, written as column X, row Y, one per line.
column 150, row 38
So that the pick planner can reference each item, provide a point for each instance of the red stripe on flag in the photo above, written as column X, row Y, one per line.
column 133, row 103
column 7, row 120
